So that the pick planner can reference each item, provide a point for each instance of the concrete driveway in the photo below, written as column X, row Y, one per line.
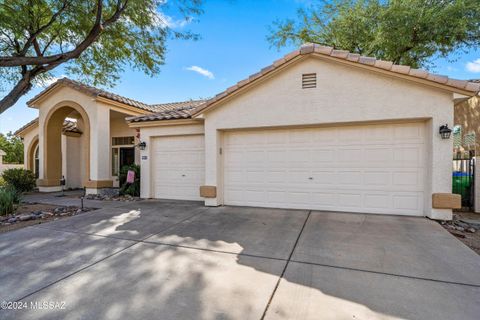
column 181, row 260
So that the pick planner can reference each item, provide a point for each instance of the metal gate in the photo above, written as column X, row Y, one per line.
column 463, row 179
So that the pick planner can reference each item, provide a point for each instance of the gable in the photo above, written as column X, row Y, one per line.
column 342, row 94
column 462, row 87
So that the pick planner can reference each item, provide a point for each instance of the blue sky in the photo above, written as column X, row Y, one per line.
column 233, row 45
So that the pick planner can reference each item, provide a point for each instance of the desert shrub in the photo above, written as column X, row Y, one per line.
column 9, row 198
column 132, row 189
column 20, row 179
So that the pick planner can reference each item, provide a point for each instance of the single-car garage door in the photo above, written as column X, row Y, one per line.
column 368, row 168
column 178, row 167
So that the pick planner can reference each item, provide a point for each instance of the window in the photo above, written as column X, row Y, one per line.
column 123, row 153
column 36, row 167
column 122, row 141
column 309, row 80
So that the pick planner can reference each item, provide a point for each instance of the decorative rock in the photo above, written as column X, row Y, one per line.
column 46, row 215
column 471, row 230
column 26, row 217
column 64, row 214
column 12, row 220
column 79, row 211
column 460, row 228
column 462, row 224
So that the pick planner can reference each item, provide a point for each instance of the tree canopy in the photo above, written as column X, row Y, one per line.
column 13, row 147
column 408, row 32
column 94, row 39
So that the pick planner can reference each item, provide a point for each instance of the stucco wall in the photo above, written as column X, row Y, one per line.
column 343, row 95
column 5, row 166
column 147, row 134
column 99, row 134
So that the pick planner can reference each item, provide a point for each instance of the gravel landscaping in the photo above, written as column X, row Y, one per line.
column 465, row 226
column 28, row 214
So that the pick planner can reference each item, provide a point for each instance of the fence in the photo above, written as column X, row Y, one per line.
column 463, row 180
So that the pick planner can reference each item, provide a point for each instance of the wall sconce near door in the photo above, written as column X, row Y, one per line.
column 445, row 131
column 142, row 145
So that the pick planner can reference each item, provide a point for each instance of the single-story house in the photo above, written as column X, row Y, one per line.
column 319, row 129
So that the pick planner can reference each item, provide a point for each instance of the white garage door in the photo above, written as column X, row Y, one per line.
column 374, row 168
column 178, row 167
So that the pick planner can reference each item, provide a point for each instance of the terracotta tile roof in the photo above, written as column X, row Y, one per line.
column 311, row 48
column 31, row 123
column 96, row 92
column 176, row 105
column 171, row 112
column 68, row 126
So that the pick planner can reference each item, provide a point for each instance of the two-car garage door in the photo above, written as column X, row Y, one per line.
column 369, row 168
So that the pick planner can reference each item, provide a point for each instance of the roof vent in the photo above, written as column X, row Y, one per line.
column 309, row 80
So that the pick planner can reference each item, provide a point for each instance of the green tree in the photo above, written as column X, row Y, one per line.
column 407, row 32
column 94, row 39
column 13, row 147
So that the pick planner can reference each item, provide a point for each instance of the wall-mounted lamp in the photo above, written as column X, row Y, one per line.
column 142, row 145
column 445, row 131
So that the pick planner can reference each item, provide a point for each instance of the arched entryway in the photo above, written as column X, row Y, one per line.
column 55, row 149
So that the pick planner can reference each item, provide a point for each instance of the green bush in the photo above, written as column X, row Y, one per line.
column 132, row 189
column 20, row 179
column 9, row 198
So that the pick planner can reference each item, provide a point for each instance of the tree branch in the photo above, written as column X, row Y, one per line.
column 45, row 64
column 63, row 57
column 33, row 36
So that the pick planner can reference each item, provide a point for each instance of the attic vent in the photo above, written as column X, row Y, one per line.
column 122, row 141
column 309, row 80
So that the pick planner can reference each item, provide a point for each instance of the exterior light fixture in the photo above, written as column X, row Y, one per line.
column 142, row 145
column 445, row 131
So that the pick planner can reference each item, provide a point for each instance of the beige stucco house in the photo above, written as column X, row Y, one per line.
column 318, row 129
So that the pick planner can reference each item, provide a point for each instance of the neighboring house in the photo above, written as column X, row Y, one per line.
column 319, row 129
column 5, row 166
column 467, row 125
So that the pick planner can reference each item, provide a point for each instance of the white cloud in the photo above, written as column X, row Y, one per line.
column 162, row 20
column 203, row 72
column 474, row 66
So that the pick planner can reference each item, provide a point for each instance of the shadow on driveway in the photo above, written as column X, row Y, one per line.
column 180, row 260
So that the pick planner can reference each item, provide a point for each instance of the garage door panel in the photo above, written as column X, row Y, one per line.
column 178, row 167
column 360, row 169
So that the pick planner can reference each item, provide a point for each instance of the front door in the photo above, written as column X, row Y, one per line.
column 127, row 156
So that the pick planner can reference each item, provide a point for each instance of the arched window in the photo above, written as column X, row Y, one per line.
column 37, row 163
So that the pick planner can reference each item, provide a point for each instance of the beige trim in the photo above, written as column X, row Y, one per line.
column 24, row 131
column 48, row 182
column 255, row 80
column 31, row 153
column 98, row 184
column 397, row 75
column 156, row 123
column 329, row 124
column 71, row 134
column 229, row 96
column 446, row 201
column 32, row 103
column 208, row 191
column 121, row 107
